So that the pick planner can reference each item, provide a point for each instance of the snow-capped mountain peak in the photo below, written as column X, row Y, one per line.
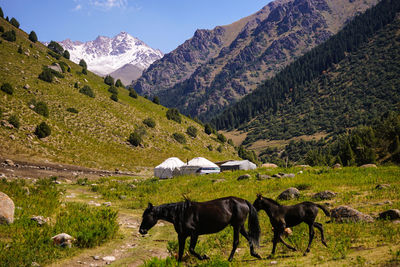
column 105, row 55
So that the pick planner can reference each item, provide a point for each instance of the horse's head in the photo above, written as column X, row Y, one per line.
column 149, row 219
column 257, row 202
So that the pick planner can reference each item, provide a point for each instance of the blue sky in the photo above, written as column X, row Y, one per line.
column 162, row 24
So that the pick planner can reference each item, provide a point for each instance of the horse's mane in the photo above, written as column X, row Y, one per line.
column 273, row 201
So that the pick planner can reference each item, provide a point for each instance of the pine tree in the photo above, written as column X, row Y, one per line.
column 208, row 129
column 109, row 80
column 1, row 13
column 33, row 37
column 132, row 93
column 118, row 83
column 66, row 54
column 55, row 47
column 82, row 63
column 14, row 22
column 156, row 100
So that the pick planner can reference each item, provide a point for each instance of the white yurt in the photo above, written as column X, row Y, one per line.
column 166, row 169
column 238, row 165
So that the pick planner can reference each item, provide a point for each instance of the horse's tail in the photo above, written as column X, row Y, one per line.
column 324, row 209
column 254, row 225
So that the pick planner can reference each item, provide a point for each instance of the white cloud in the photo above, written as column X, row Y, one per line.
column 78, row 7
column 108, row 4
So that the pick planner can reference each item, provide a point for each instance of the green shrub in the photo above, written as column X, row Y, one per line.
column 33, row 37
column 41, row 109
column 208, row 129
column 1, row 29
column 42, row 130
column 135, row 139
column 173, row 114
column 14, row 121
column 109, row 80
column 7, row 88
column 114, row 97
column 221, row 138
column 1, row 13
column 149, row 122
column 220, row 148
column 156, row 100
column 113, row 89
column 84, row 71
column 66, row 54
column 63, row 66
column 55, row 47
column 192, row 131
column 73, row 110
column 76, row 85
column 9, row 36
column 55, row 55
column 118, row 83
column 230, row 142
column 20, row 51
column 86, row 90
column 82, row 63
column 46, row 75
column 132, row 93
column 179, row 137
column 14, row 22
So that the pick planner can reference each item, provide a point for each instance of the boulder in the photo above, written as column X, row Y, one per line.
column 303, row 166
column 63, row 240
column 109, row 258
column 243, row 177
column 288, row 175
column 392, row 214
column 263, row 176
column 55, row 67
column 9, row 162
column 269, row 165
column 324, row 195
column 345, row 214
column 7, row 209
column 382, row 186
column 107, row 204
column 289, row 193
column 39, row 219
column 368, row 166
column 26, row 86
column 337, row 166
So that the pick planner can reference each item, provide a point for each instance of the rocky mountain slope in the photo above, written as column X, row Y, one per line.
column 217, row 67
column 85, row 131
column 116, row 55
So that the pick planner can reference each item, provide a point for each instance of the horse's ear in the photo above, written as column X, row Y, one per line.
column 150, row 206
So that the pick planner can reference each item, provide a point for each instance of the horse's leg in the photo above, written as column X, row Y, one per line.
column 274, row 242
column 246, row 235
column 321, row 229
column 193, row 242
column 286, row 244
column 311, row 236
column 181, row 239
column 235, row 242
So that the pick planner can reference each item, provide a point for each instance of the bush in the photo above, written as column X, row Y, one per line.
column 82, row 63
column 221, row 138
column 66, row 54
column 173, row 114
column 135, row 139
column 20, row 51
column 230, row 142
column 192, row 131
column 113, row 89
column 1, row 13
column 210, row 147
column 14, row 22
column 118, row 83
column 84, row 71
column 114, row 97
column 9, row 36
column 76, row 85
column 109, row 80
column 208, row 129
column 180, row 138
column 1, row 29
column 73, row 110
column 33, row 37
column 7, row 88
column 55, row 55
column 14, row 121
column 219, row 149
column 86, row 90
column 41, row 109
column 156, row 100
column 46, row 75
column 149, row 122
column 132, row 93
column 55, row 47
column 42, row 130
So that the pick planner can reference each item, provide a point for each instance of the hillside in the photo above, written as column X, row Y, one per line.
column 97, row 135
column 348, row 81
column 218, row 67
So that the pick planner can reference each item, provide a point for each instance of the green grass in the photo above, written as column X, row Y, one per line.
column 349, row 243
column 96, row 136
column 24, row 241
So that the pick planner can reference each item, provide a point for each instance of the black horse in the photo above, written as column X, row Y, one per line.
column 282, row 217
column 199, row 218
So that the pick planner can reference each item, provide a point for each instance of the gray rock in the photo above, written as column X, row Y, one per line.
column 96, row 257
column 345, row 214
column 39, row 219
column 26, row 86
column 9, row 162
column 6, row 124
column 368, row 166
column 109, row 258
column 7, row 209
column 382, row 186
column 288, row 175
column 107, row 204
column 63, row 240
column 392, row 214
column 337, row 166
column 289, row 193
column 243, row 177
column 263, row 177
column 324, row 195
column 55, row 67
column 35, row 264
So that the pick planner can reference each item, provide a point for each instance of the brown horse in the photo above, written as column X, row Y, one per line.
column 282, row 217
column 199, row 218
